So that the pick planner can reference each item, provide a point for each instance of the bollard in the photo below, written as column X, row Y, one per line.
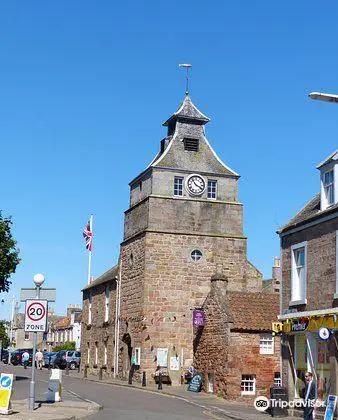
column 49, row 362
column 85, row 373
column 100, row 374
column 67, row 368
column 144, row 379
column 78, row 368
column 130, row 378
column 159, row 381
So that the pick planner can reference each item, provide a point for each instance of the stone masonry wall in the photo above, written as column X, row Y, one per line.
column 321, row 265
column 132, row 309
column 211, row 344
column 174, row 285
column 98, row 331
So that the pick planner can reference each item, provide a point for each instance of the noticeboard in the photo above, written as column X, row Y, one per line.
column 196, row 383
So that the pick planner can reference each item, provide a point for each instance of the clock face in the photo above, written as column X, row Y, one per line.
column 195, row 185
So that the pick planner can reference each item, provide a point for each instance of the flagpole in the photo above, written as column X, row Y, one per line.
column 90, row 250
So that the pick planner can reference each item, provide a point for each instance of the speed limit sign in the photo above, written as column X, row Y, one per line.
column 36, row 315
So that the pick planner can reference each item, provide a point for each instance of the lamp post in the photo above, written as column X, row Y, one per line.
column 38, row 281
column 325, row 97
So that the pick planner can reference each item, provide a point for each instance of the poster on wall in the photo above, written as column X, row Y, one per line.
column 330, row 407
column 162, row 357
column 174, row 363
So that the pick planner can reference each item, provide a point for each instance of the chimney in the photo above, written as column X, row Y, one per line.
column 220, row 282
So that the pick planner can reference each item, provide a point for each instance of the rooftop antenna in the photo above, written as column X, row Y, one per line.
column 187, row 67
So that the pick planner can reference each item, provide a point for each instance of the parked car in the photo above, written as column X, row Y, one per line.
column 70, row 357
column 4, row 356
column 49, row 358
column 16, row 357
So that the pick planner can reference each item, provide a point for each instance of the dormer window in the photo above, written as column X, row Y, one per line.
column 328, row 175
column 329, row 188
column 192, row 145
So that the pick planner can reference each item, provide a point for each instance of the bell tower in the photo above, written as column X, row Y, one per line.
column 184, row 223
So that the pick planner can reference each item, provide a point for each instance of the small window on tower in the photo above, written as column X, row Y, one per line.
column 191, row 144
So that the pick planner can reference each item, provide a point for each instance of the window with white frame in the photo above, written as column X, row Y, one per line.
column 212, row 188
column 328, row 184
column 105, row 354
column 278, row 379
column 90, row 308
column 178, row 186
column 26, row 335
column 96, row 352
column 88, row 353
column 298, row 272
column 137, row 356
column 266, row 344
column 248, row 385
column 106, row 307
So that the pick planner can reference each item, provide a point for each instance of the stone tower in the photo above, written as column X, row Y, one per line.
column 183, row 225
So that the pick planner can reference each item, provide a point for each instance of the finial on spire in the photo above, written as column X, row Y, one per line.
column 187, row 67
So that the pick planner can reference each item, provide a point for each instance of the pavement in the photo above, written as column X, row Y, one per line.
column 56, row 411
column 72, row 406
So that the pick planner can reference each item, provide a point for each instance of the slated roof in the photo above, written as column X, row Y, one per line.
column 188, row 110
column 308, row 213
column 253, row 311
column 109, row 275
column 333, row 156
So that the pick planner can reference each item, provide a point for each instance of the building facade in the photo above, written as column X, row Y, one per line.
column 309, row 297
column 235, row 349
column 67, row 328
column 184, row 224
column 98, row 324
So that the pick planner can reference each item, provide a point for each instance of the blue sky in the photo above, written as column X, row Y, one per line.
column 85, row 86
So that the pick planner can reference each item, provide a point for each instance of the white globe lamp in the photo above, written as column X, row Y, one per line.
column 38, row 279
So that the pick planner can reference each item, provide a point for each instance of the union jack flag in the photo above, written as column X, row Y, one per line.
column 88, row 236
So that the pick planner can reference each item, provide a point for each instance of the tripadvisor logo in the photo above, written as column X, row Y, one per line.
column 261, row 403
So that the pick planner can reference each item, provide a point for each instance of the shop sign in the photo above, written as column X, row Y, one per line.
column 196, row 383
column 300, row 324
column 198, row 318
column 324, row 333
column 330, row 407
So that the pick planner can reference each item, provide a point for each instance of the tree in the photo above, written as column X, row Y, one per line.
column 9, row 253
column 3, row 334
column 68, row 345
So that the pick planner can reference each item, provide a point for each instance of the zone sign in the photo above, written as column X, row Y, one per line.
column 36, row 315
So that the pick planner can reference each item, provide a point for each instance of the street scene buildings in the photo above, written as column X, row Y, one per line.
column 183, row 232
column 309, row 313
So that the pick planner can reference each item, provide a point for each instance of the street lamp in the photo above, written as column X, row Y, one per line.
column 326, row 97
column 38, row 280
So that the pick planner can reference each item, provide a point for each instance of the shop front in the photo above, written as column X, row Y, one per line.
column 310, row 341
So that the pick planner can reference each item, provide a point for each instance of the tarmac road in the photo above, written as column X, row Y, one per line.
column 119, row 403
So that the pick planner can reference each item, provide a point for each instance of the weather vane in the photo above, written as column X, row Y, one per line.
column 187, row 67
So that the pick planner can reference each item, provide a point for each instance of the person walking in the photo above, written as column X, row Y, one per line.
column 39, row 359
column 25, row 359
column 310, row 396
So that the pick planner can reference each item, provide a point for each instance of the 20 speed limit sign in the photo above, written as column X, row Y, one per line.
column 36, row 315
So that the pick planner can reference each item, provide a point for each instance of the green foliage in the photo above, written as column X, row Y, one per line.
column 3, row 334
column 68, row 345
column 9, row 253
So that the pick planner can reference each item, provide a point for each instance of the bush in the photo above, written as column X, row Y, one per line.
column 68, row 345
